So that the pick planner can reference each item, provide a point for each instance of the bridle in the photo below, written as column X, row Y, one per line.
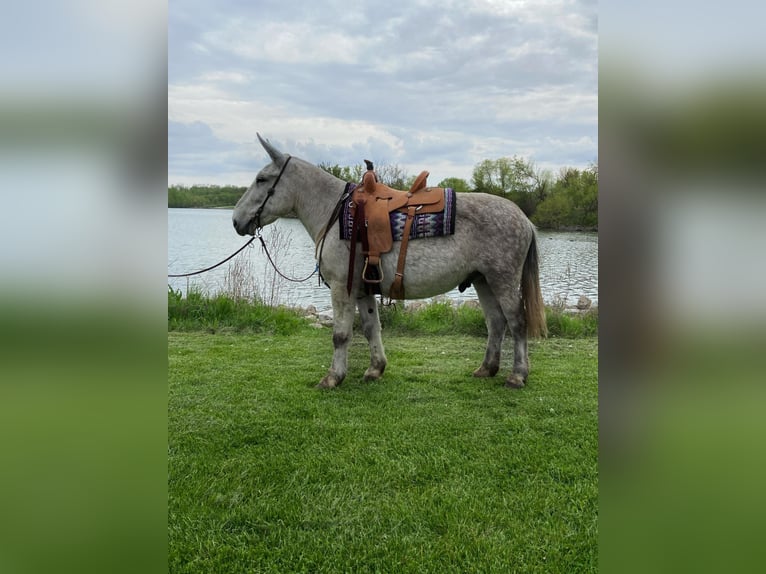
column 269, row 193
column 258, row 228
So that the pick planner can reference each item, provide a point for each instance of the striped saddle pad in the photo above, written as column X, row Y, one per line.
column 423, row 225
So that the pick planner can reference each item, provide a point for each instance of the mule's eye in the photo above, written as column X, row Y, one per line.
column 260, row 179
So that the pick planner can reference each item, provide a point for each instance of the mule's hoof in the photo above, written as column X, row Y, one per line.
column 328, row 382
column 371, row 375
column 483, row 372
column 514, row 382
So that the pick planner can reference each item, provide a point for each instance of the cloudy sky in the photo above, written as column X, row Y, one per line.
column 425, row 84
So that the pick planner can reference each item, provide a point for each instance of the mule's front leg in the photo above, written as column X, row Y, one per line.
column 368, row 313
column 343, row 324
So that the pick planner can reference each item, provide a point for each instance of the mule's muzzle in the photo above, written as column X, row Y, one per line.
column 243, row 228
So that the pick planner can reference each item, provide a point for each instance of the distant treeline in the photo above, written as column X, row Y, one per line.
column 204, row 195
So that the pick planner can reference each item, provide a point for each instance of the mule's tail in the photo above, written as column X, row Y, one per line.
column 534, row 308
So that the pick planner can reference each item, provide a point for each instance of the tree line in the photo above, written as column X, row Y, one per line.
column 564, row 200
column 204, row 195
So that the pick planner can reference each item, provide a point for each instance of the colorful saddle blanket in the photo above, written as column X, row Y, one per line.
column 423, row 225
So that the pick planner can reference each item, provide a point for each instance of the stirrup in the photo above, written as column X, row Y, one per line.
column 364, row 273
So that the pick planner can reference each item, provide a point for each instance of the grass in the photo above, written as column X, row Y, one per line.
column 437, row 318
column 224, row 312
column 443, row 318
column 198, row 311
column 562, row 323
column 427, row 470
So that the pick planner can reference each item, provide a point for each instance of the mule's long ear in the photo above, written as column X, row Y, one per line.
column 276, row 156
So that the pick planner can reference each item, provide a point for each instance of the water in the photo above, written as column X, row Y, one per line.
column 198, row 238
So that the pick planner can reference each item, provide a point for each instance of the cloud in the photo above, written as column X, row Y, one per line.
column 238, row 120
column 197, row 155
column 284, row 43
column 420, row 84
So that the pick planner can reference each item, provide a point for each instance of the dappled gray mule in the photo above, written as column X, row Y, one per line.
column 493, row 248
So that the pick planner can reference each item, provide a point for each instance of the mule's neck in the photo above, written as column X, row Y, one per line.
column 316, row 198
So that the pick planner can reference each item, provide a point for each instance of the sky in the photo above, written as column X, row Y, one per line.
column 423, row 84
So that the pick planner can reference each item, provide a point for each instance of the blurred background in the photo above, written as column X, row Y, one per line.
column 82, row 289
column 683, row 275
column 83, row 133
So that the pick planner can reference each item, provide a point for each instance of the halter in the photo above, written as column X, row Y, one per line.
column 269, row 193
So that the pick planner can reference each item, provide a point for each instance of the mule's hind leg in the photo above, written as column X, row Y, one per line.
column 518, row 377
column 497, row 294
column 496, row 323
column 343, row 324
column 368, row 313
column 513, row 308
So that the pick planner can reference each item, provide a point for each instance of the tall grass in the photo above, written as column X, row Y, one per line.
column 244, row 282
column 436, row 318
column 443, row 318
column 198, row 311
column 279, row 243
column 568, row 325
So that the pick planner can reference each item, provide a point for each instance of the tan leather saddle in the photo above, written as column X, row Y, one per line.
column 372, row 203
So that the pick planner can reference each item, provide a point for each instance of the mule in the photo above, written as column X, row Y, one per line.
column 493, row 248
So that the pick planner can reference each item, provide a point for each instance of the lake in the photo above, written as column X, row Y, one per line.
column 198, row 238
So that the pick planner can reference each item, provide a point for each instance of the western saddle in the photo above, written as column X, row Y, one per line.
column 372, row 202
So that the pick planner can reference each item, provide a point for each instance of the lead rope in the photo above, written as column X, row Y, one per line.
column 206, row 269
column 268, row 256
column 274, row 265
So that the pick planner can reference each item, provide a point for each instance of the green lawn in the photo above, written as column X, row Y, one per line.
column 426, row 470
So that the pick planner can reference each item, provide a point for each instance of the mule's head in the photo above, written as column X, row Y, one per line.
column 268, row 198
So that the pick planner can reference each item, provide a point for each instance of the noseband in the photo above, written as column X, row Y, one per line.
column 269, row 193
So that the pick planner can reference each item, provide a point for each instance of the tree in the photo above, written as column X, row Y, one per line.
column 393, row 175
column 489, row 176
column 346, row 173
column 553, row 213
column 389, row 173
column 514, row 178
column 459, row 185
column 572, row 201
